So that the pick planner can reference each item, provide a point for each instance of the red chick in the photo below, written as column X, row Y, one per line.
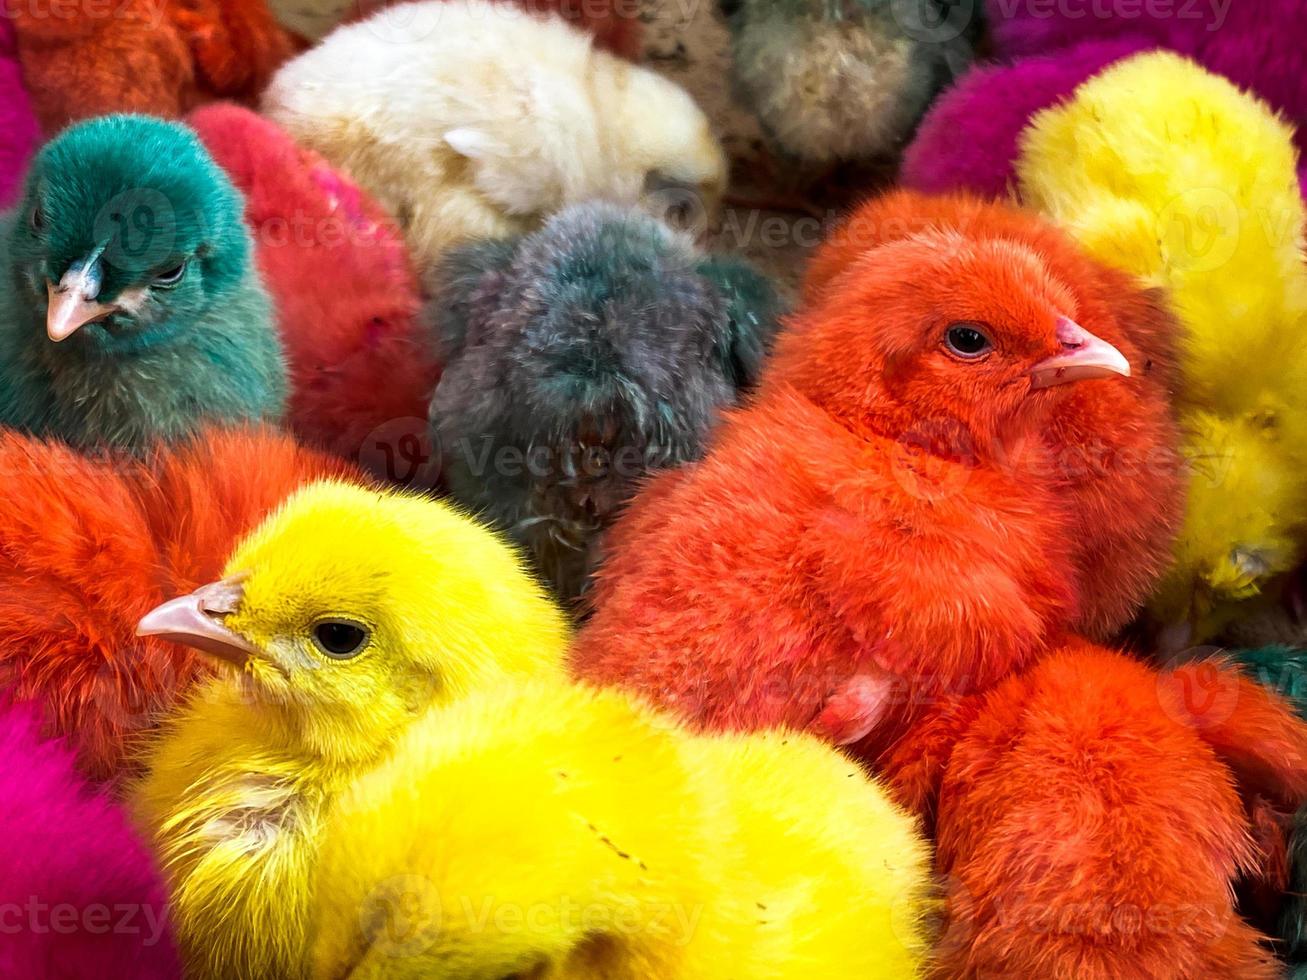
column 89, row 545
column 882, row 525
column 158, row 57
column 1114, row 447
column 1089, row 823
column 345, row 292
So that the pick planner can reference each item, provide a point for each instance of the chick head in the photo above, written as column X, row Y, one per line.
column 663, row 148
column 350, row 610
column 944, row 328
column 577, row 360
column 126, row 231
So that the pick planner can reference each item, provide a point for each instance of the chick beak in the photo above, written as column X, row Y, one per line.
column 72, row 303
column 194, row 621
column 1083, row 356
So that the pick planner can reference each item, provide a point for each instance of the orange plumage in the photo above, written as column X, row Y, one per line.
column 882, row 508
column 1113, row 446
column 345, row 292
column 89, row 545
column 159, row 57
column 1089, row 822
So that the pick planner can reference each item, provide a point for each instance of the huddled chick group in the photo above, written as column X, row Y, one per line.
column 424, row 556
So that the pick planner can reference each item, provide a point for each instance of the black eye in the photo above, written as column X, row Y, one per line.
column 170, row 277
column 37, row 218
column 340, row 639
column 966, row 340
column 594, row 461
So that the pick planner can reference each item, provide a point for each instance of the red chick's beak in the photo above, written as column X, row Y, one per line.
column 192, row 621
column 1083, row 356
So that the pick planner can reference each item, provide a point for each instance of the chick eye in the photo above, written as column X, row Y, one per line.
column 37, row 218
column 594, row 461
column 340, row 639
column 170, row 277
column 967, row 341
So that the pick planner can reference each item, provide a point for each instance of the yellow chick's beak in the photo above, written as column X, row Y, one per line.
column 72, row 305
column 1083, row 356
column 193, row 621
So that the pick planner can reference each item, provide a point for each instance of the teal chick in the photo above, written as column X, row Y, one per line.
column 130, row 306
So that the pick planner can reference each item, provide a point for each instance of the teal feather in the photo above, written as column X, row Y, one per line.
column 144, row 196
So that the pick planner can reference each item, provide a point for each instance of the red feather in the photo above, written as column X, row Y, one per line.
column 346, row 295
column 158, row 58
column 88, row 546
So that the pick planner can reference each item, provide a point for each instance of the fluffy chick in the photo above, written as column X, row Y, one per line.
column 344, row 290
column 882, row 521
column 1113, row 447
column 1088, row 818
column 130, row 307
column 432, row 605
column 405, row 676
column 87, row 546
column 473, row 119
column 80, row 893
column 650, row 853
column 1196, row 192
column 832, row 83
column 147, row 56
column 579, row 359
column 18, row 130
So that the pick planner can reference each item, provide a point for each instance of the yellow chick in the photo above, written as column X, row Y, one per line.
column 553, row 832
column 1173, row 174
column 313, row 824
column 341, row 619
column 475, row 119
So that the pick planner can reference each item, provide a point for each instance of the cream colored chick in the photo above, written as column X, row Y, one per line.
column 476, row 119
column 1173, row 174
column 340, row 620
column 557, row 831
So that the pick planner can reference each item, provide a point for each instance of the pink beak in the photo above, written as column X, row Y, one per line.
column 1083, row 356
column 193, row 621
column 70, row 309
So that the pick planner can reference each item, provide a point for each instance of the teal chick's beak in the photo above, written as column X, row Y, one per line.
column 195, row 621
column 73, row 302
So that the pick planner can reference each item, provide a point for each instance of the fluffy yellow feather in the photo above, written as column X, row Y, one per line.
column 236, row 788
column 564, row 832
column 398, row 781
column 1172, row 173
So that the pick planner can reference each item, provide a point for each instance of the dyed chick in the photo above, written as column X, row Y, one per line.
column 579, row 359
column 432, row 605
column 87, row 546
column 379, row 675
column 1113, row 447
column 130, row 308
column 884, row 520
column 970, row 138
column 472, row 119
column 19, row 133
column 651, row 853
column 848, row 82
column 1197, row 193
column 80, row 892
column 1089, row 820
column 157, row 58
column 344, row 290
